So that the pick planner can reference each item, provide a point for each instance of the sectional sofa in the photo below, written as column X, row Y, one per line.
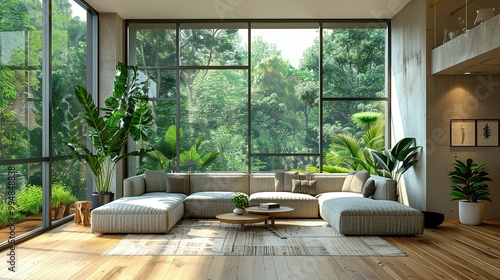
column 354, row 204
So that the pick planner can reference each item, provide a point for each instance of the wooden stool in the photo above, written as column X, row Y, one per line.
column 82, row 214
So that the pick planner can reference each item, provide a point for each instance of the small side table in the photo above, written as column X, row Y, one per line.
column 82, row 214
column 241, row 220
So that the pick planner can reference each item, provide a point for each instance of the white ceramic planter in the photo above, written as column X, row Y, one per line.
column 471, row 213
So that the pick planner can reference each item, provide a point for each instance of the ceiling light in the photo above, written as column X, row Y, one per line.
column 467, row 73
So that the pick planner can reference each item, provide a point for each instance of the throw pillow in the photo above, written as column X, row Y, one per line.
column 177, row 184
column 279, row 179
column 155, row 180
column 287, row 181
column 304, row 186
column 354, row 181
column 368, row 188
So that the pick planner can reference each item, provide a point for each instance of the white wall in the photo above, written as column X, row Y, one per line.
column 408, row 107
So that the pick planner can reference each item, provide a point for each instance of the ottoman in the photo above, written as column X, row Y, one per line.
column 366, row 216
column 155, row 212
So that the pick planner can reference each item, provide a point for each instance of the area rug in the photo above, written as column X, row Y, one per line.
column 190, row 237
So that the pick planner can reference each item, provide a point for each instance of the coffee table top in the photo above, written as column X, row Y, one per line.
column 246, row 218
column 256, row 209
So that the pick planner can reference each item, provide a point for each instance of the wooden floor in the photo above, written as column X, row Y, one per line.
column 452, row 251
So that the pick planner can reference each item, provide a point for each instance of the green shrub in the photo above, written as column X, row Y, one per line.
column 29, row 200
column 61, row 195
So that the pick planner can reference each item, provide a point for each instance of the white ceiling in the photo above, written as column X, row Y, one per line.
column 250, row 9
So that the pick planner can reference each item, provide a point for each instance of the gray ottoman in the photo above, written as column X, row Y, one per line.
column 155, row 212
column 366, row 216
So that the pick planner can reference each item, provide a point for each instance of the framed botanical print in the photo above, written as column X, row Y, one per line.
column 463, row 133
column 487, row 133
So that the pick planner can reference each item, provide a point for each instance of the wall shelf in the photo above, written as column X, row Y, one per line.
column 477, row 52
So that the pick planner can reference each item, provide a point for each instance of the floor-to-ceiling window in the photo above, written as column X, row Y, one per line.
column 264, row 95
column 43, row 54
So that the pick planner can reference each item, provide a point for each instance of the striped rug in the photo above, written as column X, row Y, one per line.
column 192, row 237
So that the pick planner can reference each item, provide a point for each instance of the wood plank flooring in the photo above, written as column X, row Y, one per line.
column 451, row 251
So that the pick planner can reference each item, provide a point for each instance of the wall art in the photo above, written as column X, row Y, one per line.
column 487, row 133
column 463, row 133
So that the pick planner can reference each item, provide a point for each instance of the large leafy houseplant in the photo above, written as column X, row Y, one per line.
column 127, row 113
column 396, row 161
column 468, row 179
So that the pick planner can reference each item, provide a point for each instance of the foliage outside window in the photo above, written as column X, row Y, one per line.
column 254, row 95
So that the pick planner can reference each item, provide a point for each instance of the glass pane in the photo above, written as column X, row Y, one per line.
column 154, row 45
column 164, row 144
column 285, row 91
column 214, row 106
column 272, row 163
column 361, row 124
column 69, row 68
column 354, row 63
column 69, row 185
column 162, row 82
column 20, row 101
column 213, row 47
column 17, row 185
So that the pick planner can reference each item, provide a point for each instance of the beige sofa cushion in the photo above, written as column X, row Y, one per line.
column 155, row 181
column 354, row 181
column 219, row 182
column 177, row 183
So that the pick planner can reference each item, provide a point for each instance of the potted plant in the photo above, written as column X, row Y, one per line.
column 239, row 200
column 62, row 198
column 127, row 114
column 469, row 188
column 396, row 161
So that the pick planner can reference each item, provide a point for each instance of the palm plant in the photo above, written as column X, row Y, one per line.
column 349, row 152
column 127, row 114
column 191, row 159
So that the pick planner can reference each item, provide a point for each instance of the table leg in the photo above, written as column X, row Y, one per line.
column 242, row 227
column 272, row 221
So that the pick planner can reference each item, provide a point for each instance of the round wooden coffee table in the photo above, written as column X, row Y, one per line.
column 241, row 220
column 270, row 212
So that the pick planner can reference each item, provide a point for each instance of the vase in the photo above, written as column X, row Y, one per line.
column 470, row 213
column 239, row 211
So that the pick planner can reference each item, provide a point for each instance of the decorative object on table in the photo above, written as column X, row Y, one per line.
column 487, row 133
column 127, row 114
column 269, row 205
column 240, row 200
column 484, row 14
column 469, row 188
column 463, row 133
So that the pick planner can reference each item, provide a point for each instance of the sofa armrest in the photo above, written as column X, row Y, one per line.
column 134, row 186
column 385, row 188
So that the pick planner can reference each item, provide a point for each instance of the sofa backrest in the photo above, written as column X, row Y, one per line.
column 328, row 182
column 225, row 182
column 261, row 182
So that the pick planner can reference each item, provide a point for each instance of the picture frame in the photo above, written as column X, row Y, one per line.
column 487, row 133
column 463, row 133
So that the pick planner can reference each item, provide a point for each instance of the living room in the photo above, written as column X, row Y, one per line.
column 422, row 102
